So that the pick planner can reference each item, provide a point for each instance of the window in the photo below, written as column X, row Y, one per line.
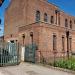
column 37, row 16
column 63, row 43
column 57, row 13
column 52, row 19
column 45, row 17
column 59, row 18
column 66, row 23
column 11, row 35
column 70, row 44
column 54, row 42
column 12, row 41
column 70, row 24
column 74, row 21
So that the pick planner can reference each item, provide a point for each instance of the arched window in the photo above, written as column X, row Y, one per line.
column 70, row 43
column 45, row 17
column 74, row 21
column 37, row 16
column 54, row 42
column 66, row 23
column 63, row 43
column 52, row 19
column 70, row 24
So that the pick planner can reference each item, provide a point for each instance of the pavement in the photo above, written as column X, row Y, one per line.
column 30, row 69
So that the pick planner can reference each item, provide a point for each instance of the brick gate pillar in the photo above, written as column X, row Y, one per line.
column 22, row 53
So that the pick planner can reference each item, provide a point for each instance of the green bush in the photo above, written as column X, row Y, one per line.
column 65, row 63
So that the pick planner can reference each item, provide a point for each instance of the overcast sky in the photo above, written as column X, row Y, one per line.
column 67, row 5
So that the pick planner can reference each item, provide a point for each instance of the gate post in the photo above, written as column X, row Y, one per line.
column 23, row 48
column 22, row 53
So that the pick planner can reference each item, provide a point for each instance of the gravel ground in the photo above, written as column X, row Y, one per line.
column 30, row 69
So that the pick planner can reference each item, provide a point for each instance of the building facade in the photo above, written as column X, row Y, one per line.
column 1, row 41
column 41, row 23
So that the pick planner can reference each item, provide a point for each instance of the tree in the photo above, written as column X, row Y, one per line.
column 1, row 2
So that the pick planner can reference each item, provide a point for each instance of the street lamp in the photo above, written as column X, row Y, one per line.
column 67, row 35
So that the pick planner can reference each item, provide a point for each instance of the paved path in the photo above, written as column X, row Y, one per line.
column 30, row 69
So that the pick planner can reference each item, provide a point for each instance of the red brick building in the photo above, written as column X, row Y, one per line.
column 42, row 23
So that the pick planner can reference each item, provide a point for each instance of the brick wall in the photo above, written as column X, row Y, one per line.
column 20, row 19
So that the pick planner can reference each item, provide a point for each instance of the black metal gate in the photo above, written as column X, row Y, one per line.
column 9, row 54
column 30, row 53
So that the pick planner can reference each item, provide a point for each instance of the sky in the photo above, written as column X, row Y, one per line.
column 2, row 14
column 68, row 6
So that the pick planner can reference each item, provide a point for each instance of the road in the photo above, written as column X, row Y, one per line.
column 30, row 69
